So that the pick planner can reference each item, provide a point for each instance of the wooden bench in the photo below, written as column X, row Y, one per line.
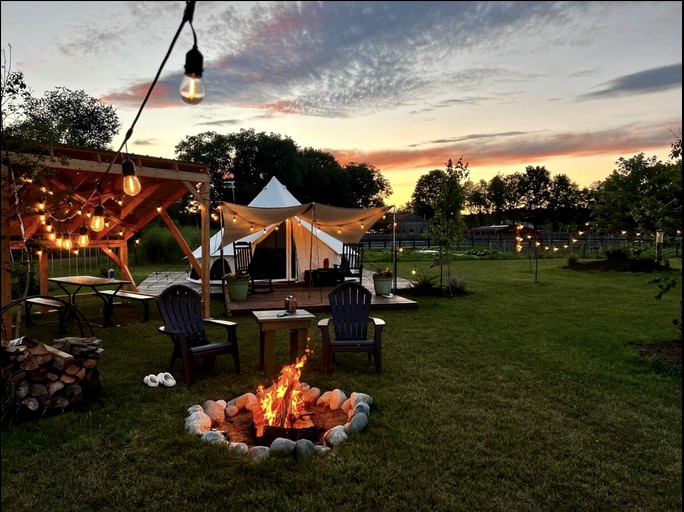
column 55, row 305
column 145, row 299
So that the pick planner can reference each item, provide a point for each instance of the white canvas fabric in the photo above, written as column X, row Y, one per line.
column 317, row 231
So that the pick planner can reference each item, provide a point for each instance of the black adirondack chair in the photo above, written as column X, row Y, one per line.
column 350, row 304
column 260, row 280
column 181, row 312
column 351, row 261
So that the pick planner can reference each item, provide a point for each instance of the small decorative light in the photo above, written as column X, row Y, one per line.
column 234, row 219
column 48, row 226
column 52, row 236
column 97, row 222
column 159, row 209
column 192, row 87
column 59, row 241
column 131, row 183
column 83, row 238
column 68, row 244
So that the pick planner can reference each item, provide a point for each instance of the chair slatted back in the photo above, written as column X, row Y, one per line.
column 350, row 305
column 243, row 256
column 181, row 310
column 352, row 258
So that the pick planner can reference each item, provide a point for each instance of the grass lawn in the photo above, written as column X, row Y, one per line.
column 522, row 396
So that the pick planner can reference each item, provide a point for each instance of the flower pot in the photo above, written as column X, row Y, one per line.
column 237, row 289
column 383, row 285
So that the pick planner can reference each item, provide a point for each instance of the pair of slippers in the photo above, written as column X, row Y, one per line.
column 161, row 379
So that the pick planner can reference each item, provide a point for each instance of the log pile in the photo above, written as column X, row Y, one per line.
column 50, row 378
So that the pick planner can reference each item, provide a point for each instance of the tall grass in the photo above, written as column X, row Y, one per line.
column 520, row 396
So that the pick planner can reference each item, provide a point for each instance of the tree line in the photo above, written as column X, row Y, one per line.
column 641, row 193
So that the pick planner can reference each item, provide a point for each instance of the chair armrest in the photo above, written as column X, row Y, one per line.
column 217, row 321
column 378, row 322
column 165, row 330
column 325, row 331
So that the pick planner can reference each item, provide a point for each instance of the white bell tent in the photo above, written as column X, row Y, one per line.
column 297, row 237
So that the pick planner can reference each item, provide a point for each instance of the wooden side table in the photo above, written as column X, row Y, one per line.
column 271, row 321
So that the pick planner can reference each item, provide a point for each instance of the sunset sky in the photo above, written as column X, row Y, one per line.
column 404, row 86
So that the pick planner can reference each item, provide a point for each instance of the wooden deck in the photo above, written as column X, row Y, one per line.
column 313, row 299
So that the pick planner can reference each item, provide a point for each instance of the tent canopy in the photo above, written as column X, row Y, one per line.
column 317, row 231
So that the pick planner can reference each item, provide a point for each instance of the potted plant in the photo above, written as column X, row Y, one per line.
column 237, row 285
column 382, row 281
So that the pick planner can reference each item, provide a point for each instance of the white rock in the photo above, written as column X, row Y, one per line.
column 324, row 399
column 241, row 448
column 304, row 449
column 311, row 395
column 303, row 386
column 222, row 403
column 215, row 412
column 197, row 423
column 282, row 446
column 361, row 397
column 259, row 452
column 335, row 436
column 348, row 405
column 214, row 437
column 230, row 411
column 321, row 449
column 357, row 424
column 193, row 408
column 361, row 407
column 243, row 400
column 337, row 399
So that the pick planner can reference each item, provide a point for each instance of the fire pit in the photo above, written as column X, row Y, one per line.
column 289, row 418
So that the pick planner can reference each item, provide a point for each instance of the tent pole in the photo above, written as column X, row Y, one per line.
column 223, row 268
column 394, row 246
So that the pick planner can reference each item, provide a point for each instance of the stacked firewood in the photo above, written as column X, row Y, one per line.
column 49, row 377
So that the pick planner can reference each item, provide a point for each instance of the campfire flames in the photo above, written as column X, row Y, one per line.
column 282, row 404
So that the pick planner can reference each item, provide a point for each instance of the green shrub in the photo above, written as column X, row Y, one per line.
column 617, row 254
column 424, row 285
column 572, row 260
column 458, row 285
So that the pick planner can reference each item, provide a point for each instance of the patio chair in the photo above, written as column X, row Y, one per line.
column 351, row 261
column 260, row 280
column 350, row 304
column 180, row 309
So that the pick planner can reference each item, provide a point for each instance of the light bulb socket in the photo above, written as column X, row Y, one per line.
column 194, row 63
column 127, row 167
column 83, row 230
column 99, row 210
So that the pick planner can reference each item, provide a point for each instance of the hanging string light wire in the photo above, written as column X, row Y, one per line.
column 187, row 18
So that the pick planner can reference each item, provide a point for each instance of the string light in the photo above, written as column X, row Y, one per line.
column 68, row 244
column 83, row 237
column 97, row 222
column 131, row 183
column 192, row 87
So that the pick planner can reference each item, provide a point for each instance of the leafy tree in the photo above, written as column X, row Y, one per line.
column 215, row 151
column 564, row 197
column 446, row 226
column 534, row 191
column 324, row 180
column 427, row 191
column 640, row 194
column 501, row 194
column 369, row 186
column 477, row 200
column 67, row 117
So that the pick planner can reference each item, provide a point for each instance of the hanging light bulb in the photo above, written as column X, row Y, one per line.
column 131, row 183
column 48, row 226
column 52, row 236
column 192, row 87
column 68, row 244
column 83, row 238
column 97, row 222
column 59, row 241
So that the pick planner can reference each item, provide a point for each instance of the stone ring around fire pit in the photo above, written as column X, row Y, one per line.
column 323, row 421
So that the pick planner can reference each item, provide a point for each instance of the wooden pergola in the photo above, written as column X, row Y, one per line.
column 62, row 192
